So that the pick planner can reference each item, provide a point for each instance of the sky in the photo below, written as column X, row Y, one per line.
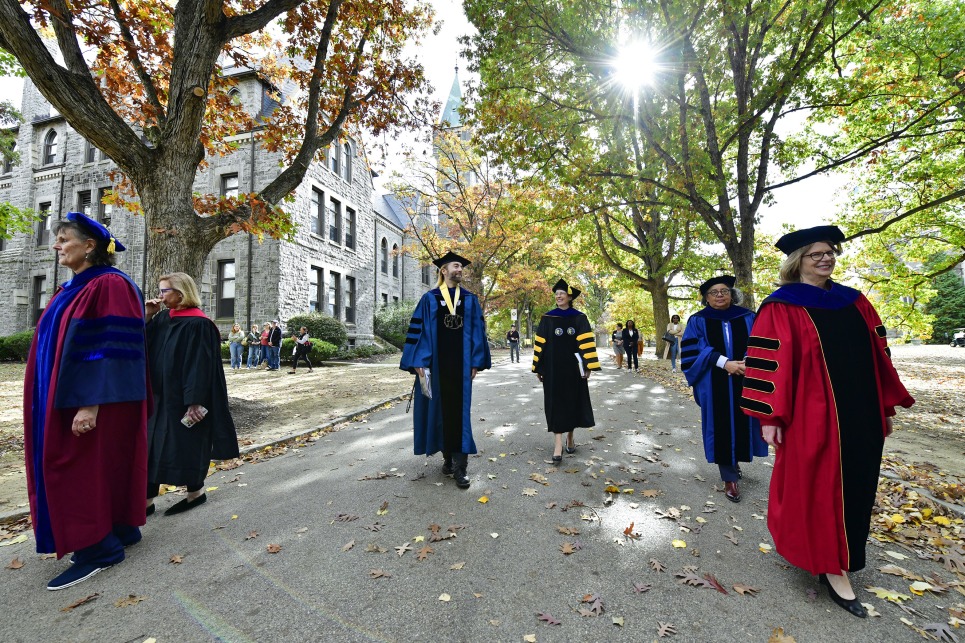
column 810, row 202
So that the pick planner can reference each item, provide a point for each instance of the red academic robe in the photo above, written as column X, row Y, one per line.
column 819, row 367
column 96, row 480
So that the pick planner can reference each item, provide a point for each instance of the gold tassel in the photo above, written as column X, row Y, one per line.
column 569, row 291
column 110, row 247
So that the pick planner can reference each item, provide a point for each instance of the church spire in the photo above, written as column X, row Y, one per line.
column 450, row 114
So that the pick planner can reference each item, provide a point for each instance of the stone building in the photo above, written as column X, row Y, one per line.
column 343, row 261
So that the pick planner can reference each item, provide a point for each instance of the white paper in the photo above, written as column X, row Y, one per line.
column 426, row 383
column 579, row 363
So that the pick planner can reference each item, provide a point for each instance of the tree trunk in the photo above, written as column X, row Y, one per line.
column 742, row 256
column 661, row 315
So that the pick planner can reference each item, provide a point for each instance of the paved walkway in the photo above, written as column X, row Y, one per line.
column 340, row 510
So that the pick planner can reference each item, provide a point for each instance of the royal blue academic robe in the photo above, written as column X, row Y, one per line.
column 729, row 435
column 422, row 350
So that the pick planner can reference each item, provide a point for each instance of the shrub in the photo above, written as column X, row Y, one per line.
column 321, row 350
column 225, row 351
column 392, row 322
column 328, row 329
column 15, row 347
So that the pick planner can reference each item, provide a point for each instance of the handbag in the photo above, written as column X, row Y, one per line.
column 668, row 337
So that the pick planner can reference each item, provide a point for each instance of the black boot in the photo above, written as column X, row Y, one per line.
column 447, row 464
column 460, row 461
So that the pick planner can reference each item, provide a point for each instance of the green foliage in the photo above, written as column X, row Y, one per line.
column 15, row 347
column 947, row 306
column 321, row 350
column 366, row 350
column 392, row 321
column 320, row 326
column 9, row 117
column 14, row 220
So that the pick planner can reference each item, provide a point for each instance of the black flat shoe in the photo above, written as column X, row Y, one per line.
column 570, row 450
column 853, row 606
column 186, row 505
column 558, row 458
column 150, row 510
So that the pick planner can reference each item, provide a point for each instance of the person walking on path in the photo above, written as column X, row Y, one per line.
column 254, row 346
column 631, row 339
column 512, row 338
column 819, row 377
column 713, row 348
column 445, row 347
column 616, row 340
column 85, row 408
column 274, row 346
column 191, row 423
column 303, row 346
column 564, row 354
column 235, row 338
column 675, row 332
column 263, row 354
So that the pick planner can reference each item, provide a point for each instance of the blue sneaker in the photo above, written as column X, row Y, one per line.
column 75, row 574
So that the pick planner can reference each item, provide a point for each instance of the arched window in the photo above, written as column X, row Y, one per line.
column 347, row 161
column 385, row 257
column 337, row 159
column 50, row 148
column 395, row 260
column 235, row 97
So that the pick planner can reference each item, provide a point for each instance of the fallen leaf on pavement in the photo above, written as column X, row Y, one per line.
column 657, row 566
column 79, row 602
column 650, row 493
column 458, row 565
column 22, row 538
column 529, row 638
column 618, row 620
column 530, row 492
column 640, row 588
column 375, row 549
column 176, row 559
column 710, row 578
column 273, row 548
column 384, row 509
column 253, row 534
column 549, row 620
column 445, row 598
column 746, row 590
column 130, row 600
column 731, row 537
column 567, row 549
column 301, row 530
column 424, row 552
column 401, row 549
column 16, row 563
column 494, row 535
column 679, row 544
column 778, row 636
column 568, row 531
column 347, row 546
column 887, row 594
column 379, row 573
column 484, row 499
column 665, row 629
column 940, row 631
column 870, row 609
column 764, row 548
column 345, row 518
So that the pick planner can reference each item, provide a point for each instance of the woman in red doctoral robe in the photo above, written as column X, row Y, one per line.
column 86, row 407
column 820, row 379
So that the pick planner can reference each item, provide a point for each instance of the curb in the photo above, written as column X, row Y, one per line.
column 17, row 515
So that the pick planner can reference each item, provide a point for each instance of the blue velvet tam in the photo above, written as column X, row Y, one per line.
column 799, row 238
column 569, row 290
column 97, row 230
column 727, row 280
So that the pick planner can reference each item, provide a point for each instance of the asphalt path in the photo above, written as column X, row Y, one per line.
column 339, row 577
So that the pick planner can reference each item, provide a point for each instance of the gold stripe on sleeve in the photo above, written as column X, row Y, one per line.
column 539, row 340
column 587, row 356
column 587, row 345
column 580, row 338
column 537, row 349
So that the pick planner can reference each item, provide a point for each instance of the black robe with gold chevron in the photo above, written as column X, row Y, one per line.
column 564, row 345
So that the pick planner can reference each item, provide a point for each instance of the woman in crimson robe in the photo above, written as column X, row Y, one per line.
column 820, row 379
column 85, row 408
column 191, row 423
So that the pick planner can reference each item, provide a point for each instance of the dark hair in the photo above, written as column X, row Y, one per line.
column 99, row 255
column 619, row 325
column 672, row 317
column 630, row 321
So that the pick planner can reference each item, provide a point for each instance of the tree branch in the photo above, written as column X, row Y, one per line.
column 131, row 48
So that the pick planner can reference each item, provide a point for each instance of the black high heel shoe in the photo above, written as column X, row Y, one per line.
column 853, row 606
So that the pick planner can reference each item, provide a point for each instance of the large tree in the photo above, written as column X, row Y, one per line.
column 145, row 83
column 726, row 77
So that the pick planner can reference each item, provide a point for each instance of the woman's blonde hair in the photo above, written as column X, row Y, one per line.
column 184, row 284
column 790, row 272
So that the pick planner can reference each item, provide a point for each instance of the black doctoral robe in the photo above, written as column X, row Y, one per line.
column 563, row 335
column 184, row 354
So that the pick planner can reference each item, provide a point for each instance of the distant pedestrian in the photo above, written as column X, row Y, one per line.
column 631, row 343
column 564, row 355
column 616, row 341
column 445, row 347
column 672, row 337
column 274, row 346
column 85, row 408
column 263, row 356
column 235, row 338
column 191, row 424
column 512, row 338
column 303, row 346
column 254, row 346
column 713, row 348
column 820, row 379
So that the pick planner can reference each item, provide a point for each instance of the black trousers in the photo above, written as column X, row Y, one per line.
column 632, row 361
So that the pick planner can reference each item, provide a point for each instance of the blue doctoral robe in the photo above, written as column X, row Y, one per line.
column 422, row 350
column 729, row 435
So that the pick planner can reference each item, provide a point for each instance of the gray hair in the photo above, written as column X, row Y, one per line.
column 736, row 297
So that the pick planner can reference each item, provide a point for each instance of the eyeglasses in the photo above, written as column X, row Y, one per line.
column 164, row 291
column 719, row 293
column 818, row 256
